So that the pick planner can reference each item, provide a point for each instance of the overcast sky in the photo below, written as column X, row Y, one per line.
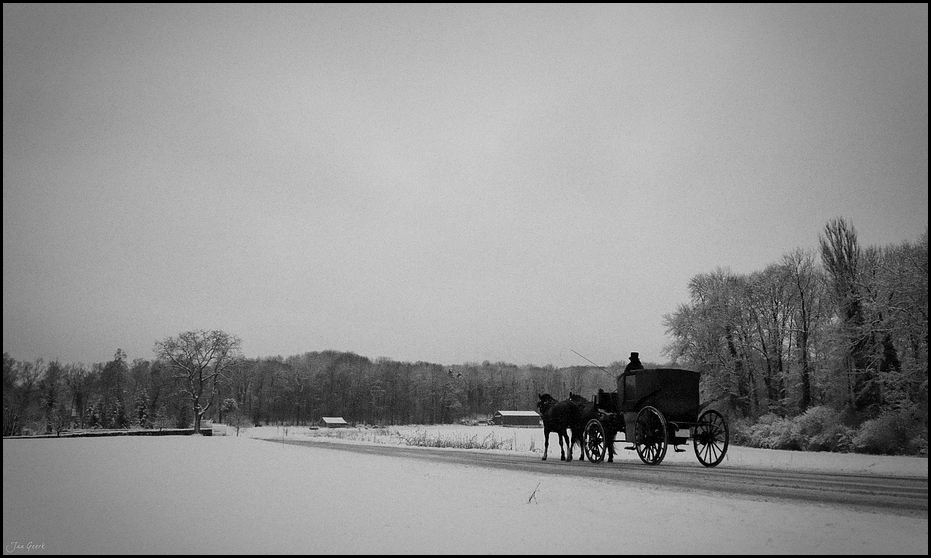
column 436, row 182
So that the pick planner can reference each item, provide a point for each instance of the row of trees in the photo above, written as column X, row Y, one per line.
column 303, row 388
column 202, row 375
column 177, row 388
column 848, row 329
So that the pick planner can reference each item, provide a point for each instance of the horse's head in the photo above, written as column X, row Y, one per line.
column 576, row 398
column 545, row 401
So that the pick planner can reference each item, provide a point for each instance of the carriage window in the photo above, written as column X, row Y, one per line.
column 630, row 389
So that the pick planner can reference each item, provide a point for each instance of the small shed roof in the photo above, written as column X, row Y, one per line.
column 334, row 420
column 518, row 413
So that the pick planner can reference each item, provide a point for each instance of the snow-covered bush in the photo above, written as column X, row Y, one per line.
column 770, row 431
column 818, row 429
column 895, row 432
column 821, row 429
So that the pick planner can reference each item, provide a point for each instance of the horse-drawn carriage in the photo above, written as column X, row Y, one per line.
column 653, row 408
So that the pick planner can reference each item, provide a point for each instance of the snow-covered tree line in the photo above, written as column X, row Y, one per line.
column 845, row 327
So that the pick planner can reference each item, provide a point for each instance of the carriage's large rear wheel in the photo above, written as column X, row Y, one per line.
column 594, row 441
column 711, row 438
column 650, row 436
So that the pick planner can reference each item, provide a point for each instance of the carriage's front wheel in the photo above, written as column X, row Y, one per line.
column 594, row 441
column 711, row 438
column 650, row 436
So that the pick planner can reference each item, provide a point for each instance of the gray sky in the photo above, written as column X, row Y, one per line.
column 434, row 182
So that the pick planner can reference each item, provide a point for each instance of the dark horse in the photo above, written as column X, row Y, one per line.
column 557, row 417
column 587, row 410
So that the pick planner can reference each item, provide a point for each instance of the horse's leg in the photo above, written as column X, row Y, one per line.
column 577, row 437
column 569, row 444
column 562, row 453
column 546, row 442
column 580, row 438
column 610, row 443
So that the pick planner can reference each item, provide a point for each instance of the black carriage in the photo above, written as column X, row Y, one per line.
column 652, row 409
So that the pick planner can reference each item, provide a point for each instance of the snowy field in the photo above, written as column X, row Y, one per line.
column 235, row 495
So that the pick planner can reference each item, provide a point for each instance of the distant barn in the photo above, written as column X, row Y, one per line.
column 334, row 422
column 516, row 418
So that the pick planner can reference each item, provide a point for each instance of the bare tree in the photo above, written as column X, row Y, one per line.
column 20, row 391
column 842, row 258
column 76, row 380
column 713, row 334
column 51, row 390
column 200, row 359
column 807, row 295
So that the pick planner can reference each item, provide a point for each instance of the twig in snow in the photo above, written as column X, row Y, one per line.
column 533, row 496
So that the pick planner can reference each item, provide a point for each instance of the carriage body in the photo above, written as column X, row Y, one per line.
column 653, row 408
column 673, row 391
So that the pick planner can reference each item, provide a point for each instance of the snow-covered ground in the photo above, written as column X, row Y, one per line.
column 235, row 495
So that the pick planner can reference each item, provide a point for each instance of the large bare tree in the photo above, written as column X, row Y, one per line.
column 843, row 259
column 200, row 359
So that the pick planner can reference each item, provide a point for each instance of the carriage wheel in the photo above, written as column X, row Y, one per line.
column 594, row 441
column 711, row 438
column 650, row 436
